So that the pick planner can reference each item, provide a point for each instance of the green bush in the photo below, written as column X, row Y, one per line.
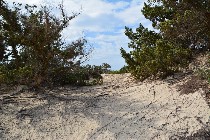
column 182, row 30
column 80, row 76
column 152, row 56
column 22, row 75
column 124, row 69
column 34, row 51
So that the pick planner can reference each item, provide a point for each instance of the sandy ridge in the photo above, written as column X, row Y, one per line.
column 119, row 109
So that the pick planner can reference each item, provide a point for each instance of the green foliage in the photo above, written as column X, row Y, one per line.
column 204, row 74
column 80, row 76
column 185, row 22
column 39, row 56
column 22, row 75
column 152, row 55
column 124, row 69
column 184, row 30
column 105, row 68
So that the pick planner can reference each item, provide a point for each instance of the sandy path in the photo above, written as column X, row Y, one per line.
column 119, row 109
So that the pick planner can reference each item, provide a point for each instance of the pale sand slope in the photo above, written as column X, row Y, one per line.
column 119, row 109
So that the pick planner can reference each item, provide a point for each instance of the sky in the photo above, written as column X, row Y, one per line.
column 102, row 23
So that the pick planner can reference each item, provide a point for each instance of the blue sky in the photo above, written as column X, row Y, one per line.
column 102, row 22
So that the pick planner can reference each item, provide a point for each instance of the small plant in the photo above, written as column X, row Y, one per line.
column 204, row 74
column 124, row 69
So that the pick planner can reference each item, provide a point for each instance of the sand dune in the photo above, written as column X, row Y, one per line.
column 120, row 109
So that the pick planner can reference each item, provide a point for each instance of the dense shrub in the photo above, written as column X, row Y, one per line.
column 82, row 75
column 182, row 31
column 79, row 76
column 22, row 75
column 151, row 55
column 39, row 55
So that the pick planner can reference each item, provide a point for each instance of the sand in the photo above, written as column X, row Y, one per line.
column 120, row 109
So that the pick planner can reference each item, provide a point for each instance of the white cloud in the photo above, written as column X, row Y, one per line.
column 102, row 22
column 108, row 50
column 132, row 14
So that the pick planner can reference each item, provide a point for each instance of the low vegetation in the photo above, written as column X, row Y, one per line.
column 124, row 69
